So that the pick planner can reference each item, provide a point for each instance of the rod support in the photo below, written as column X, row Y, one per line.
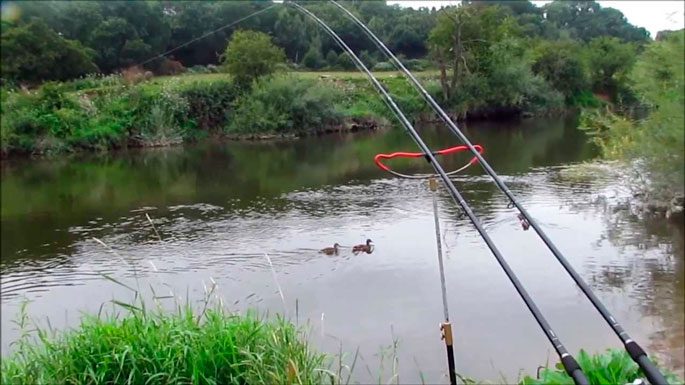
column 433, row 184
column 446, row 332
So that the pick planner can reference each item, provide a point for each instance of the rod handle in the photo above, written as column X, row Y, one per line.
column 574, row 370
column 650, row 370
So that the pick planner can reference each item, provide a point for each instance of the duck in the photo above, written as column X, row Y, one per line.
column 524, row 222
column 367, row 248
column 330, row 250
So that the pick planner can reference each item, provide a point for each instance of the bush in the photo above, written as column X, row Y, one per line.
column 286, row 104
column 345, row 62
column 210, row 104
column 368, row 60
column 332, row 59
column 383, row 66
column 313, row 58
column 250, row 55
column 198, row 69
column 415, row 64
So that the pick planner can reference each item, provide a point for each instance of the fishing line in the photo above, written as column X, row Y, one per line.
column 207, row 34
column 634, row 350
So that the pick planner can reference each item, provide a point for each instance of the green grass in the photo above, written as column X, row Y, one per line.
column 208, row 345
column 342, row 75
column 153, row 346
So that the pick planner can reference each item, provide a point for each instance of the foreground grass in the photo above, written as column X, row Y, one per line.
column 157, row 347
column 215, row 347
column 208, row 345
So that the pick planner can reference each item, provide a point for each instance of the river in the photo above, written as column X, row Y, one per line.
column 218, row 207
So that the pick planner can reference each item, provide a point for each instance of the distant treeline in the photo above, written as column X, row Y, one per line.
column 60, row 40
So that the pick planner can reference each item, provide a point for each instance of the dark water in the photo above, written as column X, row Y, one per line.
column 219, row 207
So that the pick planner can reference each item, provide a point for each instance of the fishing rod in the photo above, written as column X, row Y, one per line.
column 634, row 350
column 567, row 360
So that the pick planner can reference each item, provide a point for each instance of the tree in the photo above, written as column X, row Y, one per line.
column 33, row 52
column 367, row 59
column 561, row 64
column 250, row 55
column 314, row 58
column 332, row 58
column 345, row 62
column 462, row 38
column 587, row 20
column 657, row 77
column 609, row 60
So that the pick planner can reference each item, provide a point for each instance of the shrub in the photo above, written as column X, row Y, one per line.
column 170, row 67
column 210, row 104
column 313, row 58
column 345, row 62
column 250, row 55
column 286, row 104
column 332, row 59
column 383, row 66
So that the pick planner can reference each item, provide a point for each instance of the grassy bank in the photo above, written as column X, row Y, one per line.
column 211, row 346
column 100, row 113
column 160, row 347
column 109, row 112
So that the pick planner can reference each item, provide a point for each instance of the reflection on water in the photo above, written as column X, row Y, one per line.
column 219, row 207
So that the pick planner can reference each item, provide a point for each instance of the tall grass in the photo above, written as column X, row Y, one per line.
column 154, row 346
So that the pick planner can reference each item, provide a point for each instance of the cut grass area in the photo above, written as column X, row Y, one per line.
column 341, row 75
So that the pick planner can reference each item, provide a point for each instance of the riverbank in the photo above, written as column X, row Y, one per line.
column 212, row 346
column 102, row 113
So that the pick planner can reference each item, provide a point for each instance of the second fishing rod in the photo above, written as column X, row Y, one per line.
column 568, row 361
column 633, row 348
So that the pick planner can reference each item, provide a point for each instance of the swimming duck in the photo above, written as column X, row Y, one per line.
column 367, row 248
column 524, row 222
column 330, row 250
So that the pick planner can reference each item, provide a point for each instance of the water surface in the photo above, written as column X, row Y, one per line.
column 218, row 207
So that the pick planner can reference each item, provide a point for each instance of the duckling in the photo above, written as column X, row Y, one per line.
column 331, row 250
column 367, row 248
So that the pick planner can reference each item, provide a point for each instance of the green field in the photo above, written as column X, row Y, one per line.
column 342, row 75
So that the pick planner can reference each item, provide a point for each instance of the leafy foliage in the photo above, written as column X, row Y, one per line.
column 286, row 104
column 609, row 60
column 251, row 54
column 123, row 34
column 658, row 139
column 561, row 64
column 33, row 52
column 613, row 367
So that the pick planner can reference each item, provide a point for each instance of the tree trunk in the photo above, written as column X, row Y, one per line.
column 443, row 76
column 456, row 47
